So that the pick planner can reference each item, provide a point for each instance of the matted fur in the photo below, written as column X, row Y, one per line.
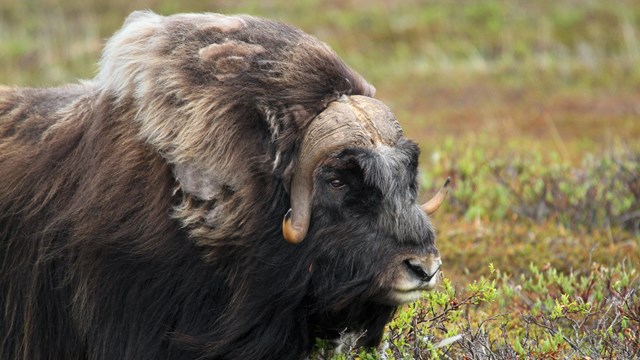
column 140, row 211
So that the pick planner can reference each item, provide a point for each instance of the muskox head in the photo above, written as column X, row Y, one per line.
column 356, row 178
column 356, row 182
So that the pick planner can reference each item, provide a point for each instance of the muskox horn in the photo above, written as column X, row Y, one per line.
column 432, row 205
column 353, row 121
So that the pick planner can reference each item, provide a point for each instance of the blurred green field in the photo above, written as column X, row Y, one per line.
column 532, row 107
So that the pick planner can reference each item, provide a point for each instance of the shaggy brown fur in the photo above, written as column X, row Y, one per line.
column 140, row 211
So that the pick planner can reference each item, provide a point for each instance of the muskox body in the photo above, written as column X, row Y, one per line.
column 141, row 212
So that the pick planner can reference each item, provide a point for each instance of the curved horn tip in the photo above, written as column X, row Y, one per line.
column 432, row 205
column 290, row 233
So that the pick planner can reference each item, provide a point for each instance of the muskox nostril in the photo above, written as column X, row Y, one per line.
column 420, row 269
column 417, row 268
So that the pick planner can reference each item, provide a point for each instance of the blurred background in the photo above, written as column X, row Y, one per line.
column 532, row 107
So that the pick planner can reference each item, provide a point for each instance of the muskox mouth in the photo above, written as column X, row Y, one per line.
column 414, row 278
column 401, row 297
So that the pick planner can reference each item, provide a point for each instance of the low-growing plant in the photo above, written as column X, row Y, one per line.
column 542, row 314
column 603, row 191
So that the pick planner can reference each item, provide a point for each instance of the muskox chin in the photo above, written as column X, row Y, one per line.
column 141, row 212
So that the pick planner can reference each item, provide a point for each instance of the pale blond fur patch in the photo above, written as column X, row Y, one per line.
column 229, row 48
column 230, row 58
column 227, row 24
column 213, row 22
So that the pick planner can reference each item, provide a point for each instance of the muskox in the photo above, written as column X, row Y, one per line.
column 224, row 188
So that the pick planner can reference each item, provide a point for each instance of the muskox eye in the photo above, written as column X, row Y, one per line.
column 336, row 183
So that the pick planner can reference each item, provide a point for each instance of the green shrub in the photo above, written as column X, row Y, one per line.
column 603, row 191
column 542, row 314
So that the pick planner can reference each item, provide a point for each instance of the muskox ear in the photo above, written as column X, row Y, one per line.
column 196, row 182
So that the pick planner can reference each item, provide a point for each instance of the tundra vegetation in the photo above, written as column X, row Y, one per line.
column 533, row 110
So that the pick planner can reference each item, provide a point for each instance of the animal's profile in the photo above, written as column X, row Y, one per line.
column 225, row 188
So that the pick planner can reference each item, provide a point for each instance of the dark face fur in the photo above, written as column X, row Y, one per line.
column 371, row 229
